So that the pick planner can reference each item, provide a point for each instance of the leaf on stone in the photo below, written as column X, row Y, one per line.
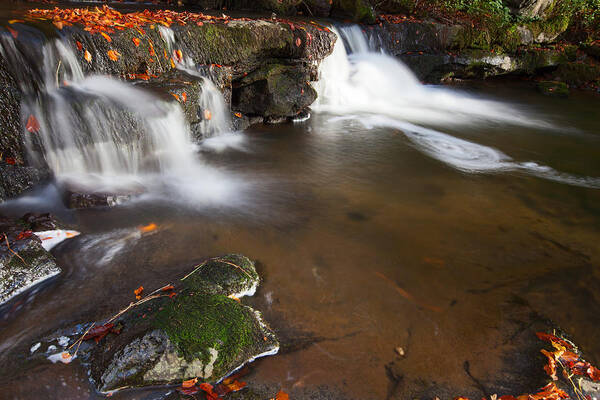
column 138, row 292
column 113, row 55
column 23, row 235
column 189, row 383
column 10, row 160
column 32, row 126
column 99, row 332
column 87, row 56
column 105, row 36
column 79, row 45
column 547, row 337
column 184, row 96
column 136, row 41
column 207, row 388
column 238, row 114
column 167, row 288
column 58, row 24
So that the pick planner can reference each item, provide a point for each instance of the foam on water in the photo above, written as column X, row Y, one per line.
column 376, row 89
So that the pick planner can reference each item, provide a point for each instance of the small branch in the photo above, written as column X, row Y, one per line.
column 58, row 69
column 14, row 252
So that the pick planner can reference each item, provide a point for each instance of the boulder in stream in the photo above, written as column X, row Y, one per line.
column 24, row 263
column 196, row 329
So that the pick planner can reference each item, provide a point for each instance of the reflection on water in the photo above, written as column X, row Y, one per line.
column 343, row 220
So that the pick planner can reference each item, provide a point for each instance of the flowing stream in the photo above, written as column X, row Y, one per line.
column 400, row 215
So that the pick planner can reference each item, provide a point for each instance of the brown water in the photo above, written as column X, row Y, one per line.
column 364, row 244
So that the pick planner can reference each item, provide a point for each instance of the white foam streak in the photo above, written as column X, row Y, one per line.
column 379, row 90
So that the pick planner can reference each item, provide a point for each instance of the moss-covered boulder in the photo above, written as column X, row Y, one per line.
column 23, row 261
column 529, row 8
column 274, row 91
column 578, row 73
column 355, row 10
column 198, row 329
column 553, row 88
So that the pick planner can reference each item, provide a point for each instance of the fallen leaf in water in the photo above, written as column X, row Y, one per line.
column 178, row 55
column 58, row 24
column 99, row 332
column 113, row 55
column 238, row 114
column 87, row 56
column 148, row 228
column 407, row 295
column 136, row 41
column 105, row 36
column 79, row 45
column 207, row 115
column 400, row 351
column 14, row 33
column 32, row 126
column 138, row 292
column 208, row 390
column 14, row 21
column 189, row 383
column 229, row 386
column 65, row 355
column 281, row 395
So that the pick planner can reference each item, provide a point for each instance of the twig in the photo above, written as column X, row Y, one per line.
column 14, row 252
column 58, row 69
column 237, row 266
column 195, row 269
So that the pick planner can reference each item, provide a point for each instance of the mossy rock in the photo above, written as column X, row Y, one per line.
column 355, row 10
column 591, row 49
column 32, row 266
column 396, row 6
column 553, row 88
column 199, row 331
column 232, row 275
column 274, row 90
column 578, row 73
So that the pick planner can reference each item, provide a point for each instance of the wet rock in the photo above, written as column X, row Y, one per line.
column 23, row 261
column 15, row 179
column 592, row 50
column 89, row 200
column 529, row 8
column 578, row 73
column 318, row 8
column 274, row 91
column 355, row 10
column 553, row 88
column 196, row 330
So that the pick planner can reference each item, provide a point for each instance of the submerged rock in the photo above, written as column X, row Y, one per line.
column 198, row 329
column 553, row 88
column 23, row 261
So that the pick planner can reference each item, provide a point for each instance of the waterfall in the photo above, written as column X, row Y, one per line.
column 100, row 134
column 359, row 82
column 216, row 119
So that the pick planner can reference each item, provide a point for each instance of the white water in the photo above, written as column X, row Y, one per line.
column 378, row 90
column 99, row 134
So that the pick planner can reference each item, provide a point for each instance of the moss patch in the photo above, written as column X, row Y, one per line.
column 553, row 88
column 225, row 275
column 197, row 322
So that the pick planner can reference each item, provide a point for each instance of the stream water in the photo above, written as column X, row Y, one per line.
column 398, row 215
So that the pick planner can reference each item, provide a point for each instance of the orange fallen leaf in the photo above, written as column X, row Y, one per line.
column 176, row 97
column 207, row 115
column 167, row 288
column 172, row 63
column 136, row 41
column 32, row 126
column 189, row 383
column 58, row 24
column 238, row 114
column 138, row 292
column 184, row 96
column 65, row 354
column 79, row 45
column 281, row 395
column 148, row 228
column 87, row 56
column 113, row 55
column 14, row 21
column 105, row 36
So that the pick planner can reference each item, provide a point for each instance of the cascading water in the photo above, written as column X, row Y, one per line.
column 99, row 134
column 380, row 91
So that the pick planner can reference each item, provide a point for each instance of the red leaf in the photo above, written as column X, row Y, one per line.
column 98, row 332
column 32, row 125
column 208, row 389
column 167, row 288
column 79, row 45
column 24, row 235
column 12, row 32
column 281, row 395
column 547, row 337
column 10, row 160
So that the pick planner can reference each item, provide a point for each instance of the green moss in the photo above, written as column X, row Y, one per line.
column 223, row 275
column 30, row 256
column 197, row 322
column 553, row 88
column 357, row 10
column 578, row 74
